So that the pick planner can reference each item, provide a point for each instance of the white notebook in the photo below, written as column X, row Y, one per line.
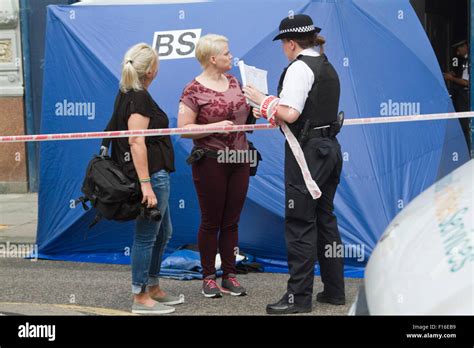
column 254, row 77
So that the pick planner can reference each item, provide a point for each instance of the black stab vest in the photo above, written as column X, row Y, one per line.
column 322, row 105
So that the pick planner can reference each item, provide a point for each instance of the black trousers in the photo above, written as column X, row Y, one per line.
column 461, row 104
column 310, row 225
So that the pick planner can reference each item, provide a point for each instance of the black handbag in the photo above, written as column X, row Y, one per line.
column 253, row 169
column 252, row 120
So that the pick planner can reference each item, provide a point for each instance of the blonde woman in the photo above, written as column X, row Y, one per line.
column 152, row 160
column 215, row 98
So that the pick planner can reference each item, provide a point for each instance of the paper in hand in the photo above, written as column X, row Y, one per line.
column 254, row 77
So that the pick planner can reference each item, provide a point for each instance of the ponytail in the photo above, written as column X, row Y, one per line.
column 130, row 79
column 311, row 40
column 138, row 61
column 320, row 41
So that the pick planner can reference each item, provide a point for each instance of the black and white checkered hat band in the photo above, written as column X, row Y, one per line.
column 305, row 29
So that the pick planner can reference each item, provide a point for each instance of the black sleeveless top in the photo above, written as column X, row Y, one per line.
column 159, row 148
column 322, row 105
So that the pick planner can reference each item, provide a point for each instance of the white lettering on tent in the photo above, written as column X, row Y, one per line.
column 176, row 44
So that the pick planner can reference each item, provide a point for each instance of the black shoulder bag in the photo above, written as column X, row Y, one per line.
column 111, row 192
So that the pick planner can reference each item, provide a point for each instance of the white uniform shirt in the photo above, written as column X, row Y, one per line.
column 298, row 81
column 465, row 71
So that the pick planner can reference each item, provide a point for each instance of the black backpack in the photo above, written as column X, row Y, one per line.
column 113, row 194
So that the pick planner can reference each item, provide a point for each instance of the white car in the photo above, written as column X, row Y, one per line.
column 423, row 263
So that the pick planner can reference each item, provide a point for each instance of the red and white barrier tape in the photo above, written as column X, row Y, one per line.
column 128, row 133
column 409, row 118
column 219, row 129
column 292, row 141
column 295, row 147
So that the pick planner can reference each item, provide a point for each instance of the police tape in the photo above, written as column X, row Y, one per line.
column 139, row 132
column 298, row 153
column 409, row 118
column 220, row 129
column 310, row 184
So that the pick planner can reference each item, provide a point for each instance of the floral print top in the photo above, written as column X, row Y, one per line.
column 212, row 106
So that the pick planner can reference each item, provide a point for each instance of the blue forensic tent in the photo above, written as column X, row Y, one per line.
column 386, row 67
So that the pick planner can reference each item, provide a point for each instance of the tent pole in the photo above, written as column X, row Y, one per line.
column 29, row 116
column 471, row 33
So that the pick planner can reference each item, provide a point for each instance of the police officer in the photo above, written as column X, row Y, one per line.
column 308, row 102
column 460, row 86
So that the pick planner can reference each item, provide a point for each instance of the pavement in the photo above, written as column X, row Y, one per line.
column 18, row 217
column 46, row 287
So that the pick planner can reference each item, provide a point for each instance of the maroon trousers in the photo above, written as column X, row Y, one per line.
column 221, row 189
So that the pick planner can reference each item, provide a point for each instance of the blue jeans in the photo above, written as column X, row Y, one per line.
column 151, row 238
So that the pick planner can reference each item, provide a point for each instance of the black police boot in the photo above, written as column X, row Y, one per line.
column 323, row 298
column 283, row 307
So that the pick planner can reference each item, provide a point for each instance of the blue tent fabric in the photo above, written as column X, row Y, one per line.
column 380, row 52
column 182, row 265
